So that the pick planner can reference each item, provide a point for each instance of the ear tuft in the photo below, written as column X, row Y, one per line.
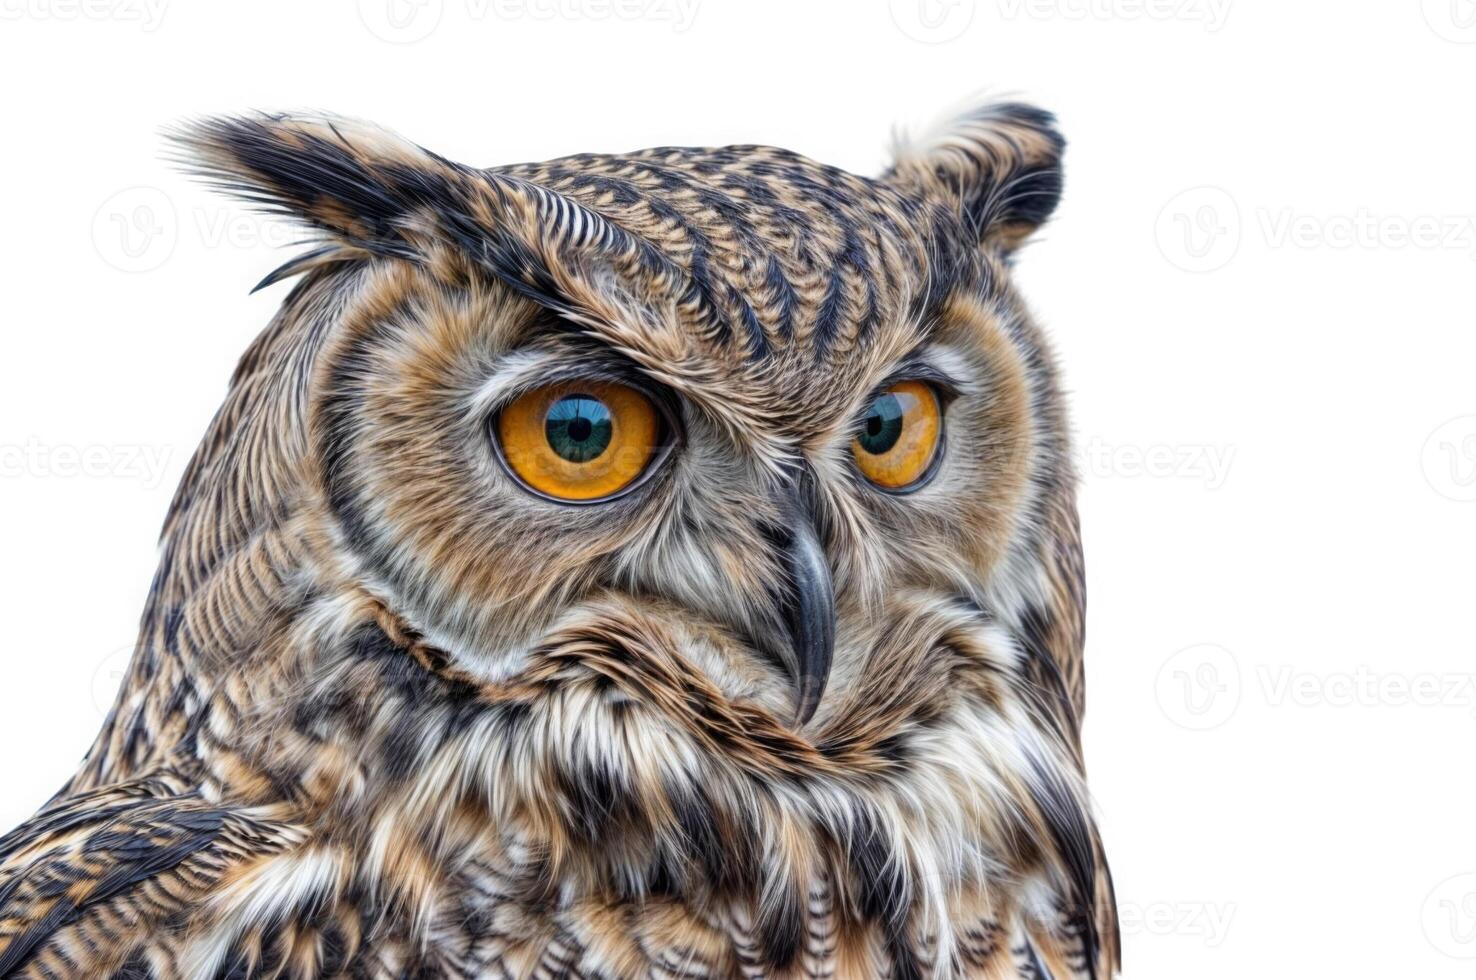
column 997, row 166
column 362, row 185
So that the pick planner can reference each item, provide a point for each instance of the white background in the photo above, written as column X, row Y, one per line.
column 1261, row 286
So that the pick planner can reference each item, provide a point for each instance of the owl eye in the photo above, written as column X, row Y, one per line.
column 897, row 443
column 583, row 442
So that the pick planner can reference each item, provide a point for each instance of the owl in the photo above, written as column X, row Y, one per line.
column 662, row 564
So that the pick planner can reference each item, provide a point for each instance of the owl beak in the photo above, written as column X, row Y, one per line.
column 810, row 612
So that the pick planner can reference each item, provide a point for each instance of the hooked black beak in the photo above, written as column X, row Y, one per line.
column 809, row 609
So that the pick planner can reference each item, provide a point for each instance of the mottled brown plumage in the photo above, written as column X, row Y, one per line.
column 391, row 715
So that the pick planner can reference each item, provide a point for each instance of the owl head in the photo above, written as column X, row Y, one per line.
column 778, row 407
column 701, row 515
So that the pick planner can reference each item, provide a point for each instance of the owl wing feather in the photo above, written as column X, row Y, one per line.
column 92, row 877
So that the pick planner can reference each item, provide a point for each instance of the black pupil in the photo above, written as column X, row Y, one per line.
column 578, row 428
column 883, row 425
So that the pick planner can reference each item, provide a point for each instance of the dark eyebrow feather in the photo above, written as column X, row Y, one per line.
column 914, row 367
column 582, row 358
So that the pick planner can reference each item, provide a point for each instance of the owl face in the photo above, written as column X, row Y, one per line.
column 779, row 409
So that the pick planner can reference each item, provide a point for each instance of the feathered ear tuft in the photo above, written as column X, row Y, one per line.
column 998, row 166
column 374, row 194
column 362, row 185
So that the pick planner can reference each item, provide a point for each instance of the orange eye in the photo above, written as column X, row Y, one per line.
column 580, row 442
column 899, row 436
